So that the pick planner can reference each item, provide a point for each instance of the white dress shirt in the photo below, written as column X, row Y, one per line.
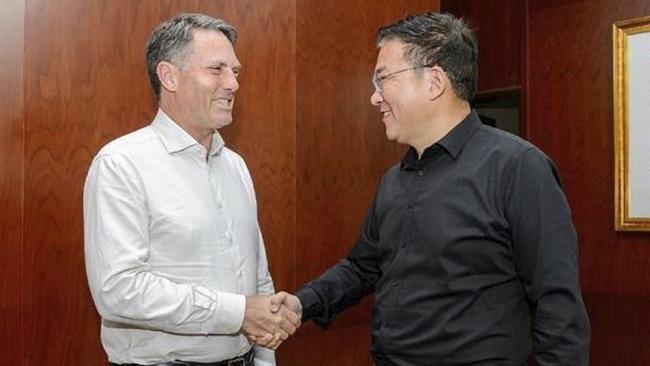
column 172, row 247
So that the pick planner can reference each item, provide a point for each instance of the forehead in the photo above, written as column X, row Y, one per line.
column 210, row 45
column 391, row 54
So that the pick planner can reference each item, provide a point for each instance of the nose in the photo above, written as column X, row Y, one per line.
column 376, row 98
column 231, row 83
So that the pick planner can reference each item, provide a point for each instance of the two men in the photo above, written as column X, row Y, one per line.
column 174, row 255
column 468, row 245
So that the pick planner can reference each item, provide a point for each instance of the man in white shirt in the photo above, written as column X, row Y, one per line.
column 174, row 255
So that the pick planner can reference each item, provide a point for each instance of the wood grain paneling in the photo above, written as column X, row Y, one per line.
column 12, row 119
column 620, row 326
column 341, row 153
column 499, row 27
column 341, row 346
column 341, row 150
column 264, row 128
column 84, row 85
column 570, row 118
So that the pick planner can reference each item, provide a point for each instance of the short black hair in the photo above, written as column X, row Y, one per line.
column 439, row 39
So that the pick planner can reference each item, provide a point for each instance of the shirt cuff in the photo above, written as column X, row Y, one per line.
column 264, row 356
column 229, row 312
column 310, row 302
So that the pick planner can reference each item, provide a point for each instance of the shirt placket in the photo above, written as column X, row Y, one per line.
column 414, row 184
column 224, row 223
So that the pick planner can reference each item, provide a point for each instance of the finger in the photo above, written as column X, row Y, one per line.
column 275, row 344
column 277, row 300
column 266, row 341
column 287, row 327
column 274, row 341
column 293, row 318
column 281, row 336
column 290, row 316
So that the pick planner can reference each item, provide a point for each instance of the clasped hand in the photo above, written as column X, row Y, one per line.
column 270, row 319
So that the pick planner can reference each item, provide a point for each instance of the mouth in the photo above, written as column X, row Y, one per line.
column 385, row 114
column 224, row 103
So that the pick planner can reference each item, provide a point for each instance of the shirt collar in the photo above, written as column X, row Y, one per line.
column 453, row 142
column 175, row 138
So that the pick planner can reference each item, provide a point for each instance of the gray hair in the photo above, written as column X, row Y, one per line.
column 171, row 41
column 439, row 39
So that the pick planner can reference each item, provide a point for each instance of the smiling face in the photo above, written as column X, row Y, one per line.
column 206, row 83
column 403, row 99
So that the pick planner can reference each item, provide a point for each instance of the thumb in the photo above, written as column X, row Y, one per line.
column 277, row 300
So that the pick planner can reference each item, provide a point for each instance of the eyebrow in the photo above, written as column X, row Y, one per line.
column 218, row 63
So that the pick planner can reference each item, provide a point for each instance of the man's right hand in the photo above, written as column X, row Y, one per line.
column 264, row 327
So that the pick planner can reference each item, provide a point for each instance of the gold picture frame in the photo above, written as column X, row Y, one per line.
column 631, row 123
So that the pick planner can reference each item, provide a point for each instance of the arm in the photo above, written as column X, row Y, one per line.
column 264, row 356
column 346, row 283
column 124, row 287
column 546, row 255
column 265, row 343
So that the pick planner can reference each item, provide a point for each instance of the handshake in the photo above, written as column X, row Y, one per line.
column 270, row 319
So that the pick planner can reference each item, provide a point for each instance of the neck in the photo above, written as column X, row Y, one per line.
column 450, row 115
column 201, row 135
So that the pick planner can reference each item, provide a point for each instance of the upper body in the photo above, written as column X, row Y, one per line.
column 468, row 245
column 172, row 247
column 461, row 248
column 174, row 254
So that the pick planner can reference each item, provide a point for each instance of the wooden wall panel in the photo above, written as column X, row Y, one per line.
column 264, row 128
column 338, row 346
column 341, row 153
column 12, row 119
column 499, row 27
column 85, row 85
column 570, row 117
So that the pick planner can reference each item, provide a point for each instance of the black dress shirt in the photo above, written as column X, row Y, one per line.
column 472, row 257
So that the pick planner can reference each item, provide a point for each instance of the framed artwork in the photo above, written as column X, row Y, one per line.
column 632, row 123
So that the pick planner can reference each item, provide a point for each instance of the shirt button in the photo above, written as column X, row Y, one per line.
column 395, row 283
column 410, row 206
column 403, row 243
column 420, row 172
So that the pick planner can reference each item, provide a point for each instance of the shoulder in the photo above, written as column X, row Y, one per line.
column 511, row 150
column 235, row 161
column 232, row 157
column 134, row 143
column 128, row 154
column 503, row 141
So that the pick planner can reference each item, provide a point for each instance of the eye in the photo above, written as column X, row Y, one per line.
column 216, row 69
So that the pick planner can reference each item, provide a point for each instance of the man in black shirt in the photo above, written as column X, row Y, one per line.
column 468, row 245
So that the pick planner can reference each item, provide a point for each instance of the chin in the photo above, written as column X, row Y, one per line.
column 221, row 122
column 391, row 135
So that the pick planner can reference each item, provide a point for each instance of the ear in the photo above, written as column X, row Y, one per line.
column 168, row 76
column 438, row 82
